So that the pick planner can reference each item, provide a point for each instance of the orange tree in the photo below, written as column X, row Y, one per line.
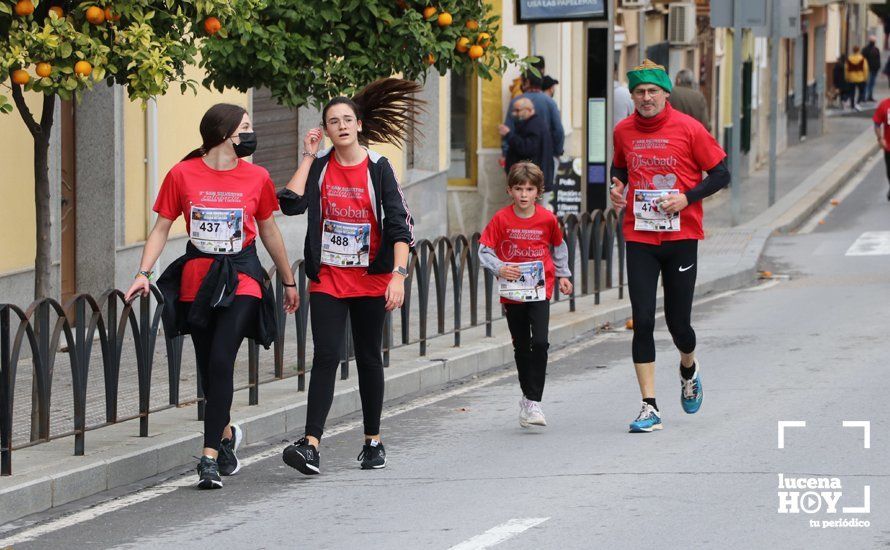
column 61, row 48
column 308, row 52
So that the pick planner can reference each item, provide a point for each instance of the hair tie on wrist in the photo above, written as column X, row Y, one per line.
column 289, row 286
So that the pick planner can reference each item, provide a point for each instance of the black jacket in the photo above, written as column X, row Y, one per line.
column 530, row 140
column 393, row 218
column 217, row 290
column 873, row 55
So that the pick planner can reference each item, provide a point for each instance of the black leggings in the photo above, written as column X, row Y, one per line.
column 328, row 316
column 676, row 261
column 529, row 323
column 216, row 348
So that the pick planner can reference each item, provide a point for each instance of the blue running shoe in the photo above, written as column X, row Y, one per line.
column 691, row 392
column 647, row 420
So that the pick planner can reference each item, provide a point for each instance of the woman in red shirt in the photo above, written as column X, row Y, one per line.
column 218, row 292
column 357, row 244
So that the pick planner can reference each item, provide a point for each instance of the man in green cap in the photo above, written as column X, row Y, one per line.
column 659, row 156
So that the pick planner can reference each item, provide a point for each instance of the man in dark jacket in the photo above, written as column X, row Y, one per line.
column 873, row 55
column 529, row 140
column 686, row 99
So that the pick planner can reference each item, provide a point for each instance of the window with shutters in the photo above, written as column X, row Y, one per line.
column 278, row 137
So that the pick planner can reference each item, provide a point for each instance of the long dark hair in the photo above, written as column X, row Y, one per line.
column 217, row 124
column 387, row 107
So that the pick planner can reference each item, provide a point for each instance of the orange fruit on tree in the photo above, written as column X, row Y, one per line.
column 95, row 15
column 83, row 68
column 476, row 51
column 445, row 19
column 428, row 12
column 472, row 25
column 484, row 39
column 463, row 44
column 20, row 77
column 212, row 25
column 43, row 69
column 24, row 8
column 111, row 16
column 429, row 58
column 60, row 13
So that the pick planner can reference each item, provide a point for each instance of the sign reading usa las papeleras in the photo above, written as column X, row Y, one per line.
column 544, row 11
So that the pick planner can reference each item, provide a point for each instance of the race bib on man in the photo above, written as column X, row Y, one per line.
column 345, row 244
column 648, row 215
column 531, row 286
column 217, row 230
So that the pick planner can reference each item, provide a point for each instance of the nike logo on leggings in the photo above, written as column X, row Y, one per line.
column 682, row 269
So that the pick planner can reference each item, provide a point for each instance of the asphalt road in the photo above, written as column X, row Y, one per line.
column 810, row 345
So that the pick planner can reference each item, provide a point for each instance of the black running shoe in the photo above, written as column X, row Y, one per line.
column 208, row 474
column 373, row 455
column 302, row 456
column 228, row 461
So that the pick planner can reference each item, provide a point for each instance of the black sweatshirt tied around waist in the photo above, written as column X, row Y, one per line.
column 217, row 290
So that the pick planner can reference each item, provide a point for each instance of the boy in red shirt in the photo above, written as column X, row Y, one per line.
column 516, row 248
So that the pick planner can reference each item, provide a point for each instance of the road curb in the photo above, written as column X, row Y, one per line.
column 792, row 210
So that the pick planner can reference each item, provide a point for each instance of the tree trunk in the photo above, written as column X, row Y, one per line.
column 43, row 259
column 42, row 204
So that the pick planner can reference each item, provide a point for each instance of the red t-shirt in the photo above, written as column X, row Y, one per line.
column 669, row 151
column 223, row 205
column 516, row 240
column 345, row 197
column 882, row 117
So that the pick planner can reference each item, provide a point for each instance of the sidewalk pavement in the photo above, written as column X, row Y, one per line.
column 48, row 474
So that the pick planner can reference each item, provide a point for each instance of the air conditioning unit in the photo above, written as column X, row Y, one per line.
column 634, row 3
column 681, row 24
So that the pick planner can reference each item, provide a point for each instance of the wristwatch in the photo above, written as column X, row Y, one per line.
column 401, row 271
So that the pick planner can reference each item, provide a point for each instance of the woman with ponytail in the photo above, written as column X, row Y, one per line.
column 218, row 291
column 356, row 254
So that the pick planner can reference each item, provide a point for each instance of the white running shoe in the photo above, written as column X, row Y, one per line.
column 530, row 413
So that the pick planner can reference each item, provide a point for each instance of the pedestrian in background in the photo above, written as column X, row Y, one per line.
column 839, row 80
column 873, row 56
column 548, row 85
column 530, row 140
column 622, row 103
column 686, row 99
column 545, row 107
column 857, row 76
column 523, row 246
column 881, row 120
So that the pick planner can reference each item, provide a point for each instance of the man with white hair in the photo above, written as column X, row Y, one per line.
column 530, row 139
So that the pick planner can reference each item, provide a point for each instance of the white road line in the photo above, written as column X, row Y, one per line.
column 188, row 481
column 499, row 533
column 161, row 489
column 871, row 243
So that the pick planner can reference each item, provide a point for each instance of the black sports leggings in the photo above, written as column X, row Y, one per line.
column 528, row 323
column 328, row 315
column 676, row 261
column 216, row 348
